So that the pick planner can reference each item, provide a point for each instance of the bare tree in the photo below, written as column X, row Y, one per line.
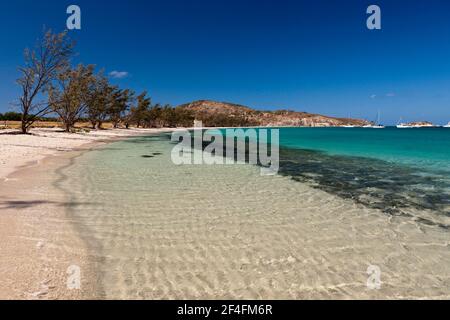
column 42, row 65
column 70, row 97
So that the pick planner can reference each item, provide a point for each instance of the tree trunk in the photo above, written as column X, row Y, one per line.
column 24, row 124
column 24, row 128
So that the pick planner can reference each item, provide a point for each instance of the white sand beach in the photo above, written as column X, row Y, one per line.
column 32, row 266
column 17, row 151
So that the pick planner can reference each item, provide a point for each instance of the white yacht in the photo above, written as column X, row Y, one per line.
column 378, row 125
column 402, row 125
column 447, row 126
column 423, row 125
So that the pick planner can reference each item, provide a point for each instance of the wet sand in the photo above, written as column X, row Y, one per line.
column 38, row 242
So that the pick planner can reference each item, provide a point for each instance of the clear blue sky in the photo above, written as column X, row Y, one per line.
column 315, row 56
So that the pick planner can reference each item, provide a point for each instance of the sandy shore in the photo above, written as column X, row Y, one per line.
column 33, row 264
column 17, row 151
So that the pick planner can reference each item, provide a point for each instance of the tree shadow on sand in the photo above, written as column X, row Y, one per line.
column 26, row 204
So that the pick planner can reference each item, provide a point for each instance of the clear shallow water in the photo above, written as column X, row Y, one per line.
column 165, row 231
column 398, row 171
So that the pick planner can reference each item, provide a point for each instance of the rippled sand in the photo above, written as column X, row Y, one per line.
column 155, row 231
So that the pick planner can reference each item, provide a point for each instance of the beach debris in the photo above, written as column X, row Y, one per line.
column 44, row 290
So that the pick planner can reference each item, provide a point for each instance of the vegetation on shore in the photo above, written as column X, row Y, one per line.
column 53, row 88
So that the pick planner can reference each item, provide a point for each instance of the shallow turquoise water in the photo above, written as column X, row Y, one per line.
column 394, row 170
column 428, row 148
column 160, row 230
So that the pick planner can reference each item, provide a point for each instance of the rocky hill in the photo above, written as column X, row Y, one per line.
column 206, row 110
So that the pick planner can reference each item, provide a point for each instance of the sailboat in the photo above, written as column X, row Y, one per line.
column 377, row 124
column 349, row 125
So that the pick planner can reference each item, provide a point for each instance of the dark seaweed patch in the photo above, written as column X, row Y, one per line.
column 390, row 187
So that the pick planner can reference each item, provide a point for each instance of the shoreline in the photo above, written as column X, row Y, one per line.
column 326, row 246
column 34, row 263
column 19, row 151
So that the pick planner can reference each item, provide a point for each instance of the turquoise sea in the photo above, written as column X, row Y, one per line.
column 428, row 148
column 390, row 169
column 397, row 168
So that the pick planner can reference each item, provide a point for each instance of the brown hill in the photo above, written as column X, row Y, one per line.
column 206, row 109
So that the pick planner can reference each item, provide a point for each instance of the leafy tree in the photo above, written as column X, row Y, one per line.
column 42, row 65
column 140, row 113
column 119, row 105
column 11, row 116
column 70, row 97
column 99, row 100
column 184, row 117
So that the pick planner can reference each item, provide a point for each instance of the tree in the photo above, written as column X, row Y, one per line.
column 169, row 117
column 42, row 65
column 140, row 113
column 119, row 105
column 184, row 117
column 11, row 116
column 153, row 117
column 99, row 99
column 70, row 98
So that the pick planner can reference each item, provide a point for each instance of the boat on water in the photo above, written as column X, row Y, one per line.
column 447, row 126
column 376, row 124
column 369, row 126
column 420, row 124
column 403, row 125
column 423, row 125
column 412, row 125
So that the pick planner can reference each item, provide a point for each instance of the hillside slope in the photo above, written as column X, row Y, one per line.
column 206, row 109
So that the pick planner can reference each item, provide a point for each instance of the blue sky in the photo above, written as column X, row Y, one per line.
column 314, row 56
